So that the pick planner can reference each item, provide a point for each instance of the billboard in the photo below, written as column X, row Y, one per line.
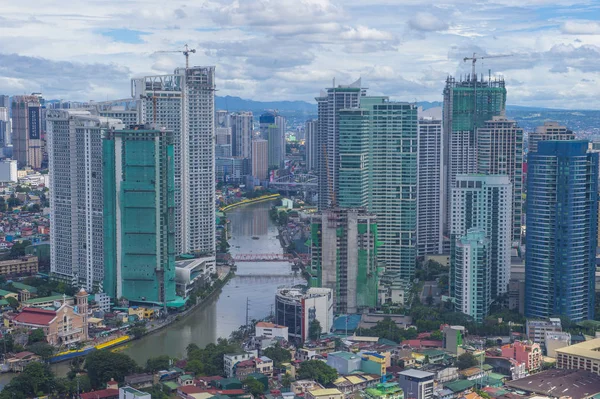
column 34, row 122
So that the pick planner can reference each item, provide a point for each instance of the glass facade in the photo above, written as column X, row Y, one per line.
column 562, row 217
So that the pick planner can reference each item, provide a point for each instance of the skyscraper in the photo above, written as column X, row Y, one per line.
column 344, row 257
column 241, row 134
column 562, row 218
column 549, row 131
column 483, row 202
column 472, row 266
column 378, row 171
column 260, row 158
column 430, row 195
column 139, row 214
column 222, row 119
column 5, row 127
column 310, row 144
column 27, row 130
column 500, row 152
column 468, row 104
column 4, row 101
column 329, row 103
column 76, row 196
column 184, row 103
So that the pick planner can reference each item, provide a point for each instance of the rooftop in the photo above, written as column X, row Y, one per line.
column 459, row 385
column 35, row 316
column 103, row 393
column 589, row 349
column 325, row 392
column 416, row 373
column 35, row 301
column 577, row 384
column 265, row 324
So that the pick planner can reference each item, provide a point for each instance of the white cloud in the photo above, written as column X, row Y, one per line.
column 424, row 21
column 581, row 27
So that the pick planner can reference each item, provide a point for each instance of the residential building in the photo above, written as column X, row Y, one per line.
column 241, row 134
column 25, row 265
column 76, row 194
column 416, row 384
column 5, row 127
column 311, row 147
column 483, row 202
column 500, row 152
column 222, row 119
column 329, row 103
column 356, row 382
column 270, row 330
column 230, row 360
column 8, row 170
column 536, row 329
column 549, row 131
column 556, row 340
column 378, row 157
column 472, row 273
column 344, row 362
column 468, row 104
column 183, row 102
column 4, row 101
column 453, row 339
column 139, row 201
column 260, row 159
column 430, row 191
column 562, row 217
column 581, row 356
column 529, row 353
column 27, row 130
column 300, row 387
column 231, row 169
column 108, row 393
column 125, row 110
column 343, row 249
column 296, row 308
column 132, row 393
column 329, row 393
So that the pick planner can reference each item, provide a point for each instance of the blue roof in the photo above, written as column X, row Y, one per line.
column 346, row 322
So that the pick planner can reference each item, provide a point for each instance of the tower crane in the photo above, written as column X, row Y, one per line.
column 186, row 51
column 475, row 58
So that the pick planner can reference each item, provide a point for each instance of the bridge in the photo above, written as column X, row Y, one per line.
column 272, row 257
column 293, row 182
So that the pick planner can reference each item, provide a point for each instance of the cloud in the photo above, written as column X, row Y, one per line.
column 366, row 33
column 580, row 28
column 427, row 22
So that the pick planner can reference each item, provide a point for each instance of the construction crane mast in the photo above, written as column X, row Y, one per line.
column 475, row 58
column 186, row 52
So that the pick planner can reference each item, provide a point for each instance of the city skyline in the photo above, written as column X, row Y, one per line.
column 554, row 47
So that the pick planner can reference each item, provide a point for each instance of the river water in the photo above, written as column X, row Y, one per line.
column 225, row 313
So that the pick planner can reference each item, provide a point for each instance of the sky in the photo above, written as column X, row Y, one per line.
column 271, row 50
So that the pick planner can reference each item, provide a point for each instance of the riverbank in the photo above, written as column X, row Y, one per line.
column 250, row 201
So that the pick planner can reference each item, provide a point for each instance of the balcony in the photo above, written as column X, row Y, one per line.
column 70, row 332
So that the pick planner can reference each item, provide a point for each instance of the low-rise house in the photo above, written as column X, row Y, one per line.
column 474, row 373
column 230, row 360
column 108, row 393
column 300, row 387
column 185, row 380
column 139, row 381
column 344, row 362
column 435, row 356
column 271, row 330
column 244, row 368
column 387, row 390
column 264, row 365
column 329, row 393
column 304, row 354
column 132, row 393
column 460, row 387
column 20, row 360
column 528, row 353
column 507, row 366
column 355, row 383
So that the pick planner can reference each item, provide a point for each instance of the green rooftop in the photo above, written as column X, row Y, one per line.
column 36, row 301
column 433, row 352
column 460, row 385
column 172, row 385
column 186, row 377
column 21, row 286
column 3, row 302
column 4, row 293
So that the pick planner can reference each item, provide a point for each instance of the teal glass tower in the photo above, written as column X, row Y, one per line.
column 139, row 215
column 562, row 231
column 378, row 171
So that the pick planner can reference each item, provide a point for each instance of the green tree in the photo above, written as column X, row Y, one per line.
column 278, row 354
column 158, row 363
column 36, row 335
column 35, row 380
column 254, row 386
column 35, row 208
column 156, row 392
column 211, row 357
column 387, row 329
column 194, row 366
column 42, row 349
column 466, row 360
column 104, row 365
column 436, row 335
column 13, row 201
column 12, row 302
column 314, row 330
column 18, row 249
column 138, row 331
column 286, row 380
column 318, row 371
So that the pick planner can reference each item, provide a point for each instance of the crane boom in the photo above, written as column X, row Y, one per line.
column 186, row 52
column 475, row 58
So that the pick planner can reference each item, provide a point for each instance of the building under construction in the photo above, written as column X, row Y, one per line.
column 343, row 247
column 468, row 103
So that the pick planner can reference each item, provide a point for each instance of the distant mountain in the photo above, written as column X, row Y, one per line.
column 230, row 103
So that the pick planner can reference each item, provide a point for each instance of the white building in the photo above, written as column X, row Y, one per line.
column 192, row 272
column 76, row 194
column 484, row 202
column 231, row 359
column 416, row 384
column 430, row 194
column 132, row 393
column 296, row 308
column 103, row 301
column 310, row 144
column 8, row 170
column 184, row 103
column 556, row 340
column 260, row 159
column 241, row 134
column 271, row 330
column 536, row 330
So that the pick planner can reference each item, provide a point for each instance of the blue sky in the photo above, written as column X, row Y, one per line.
column 290, row 49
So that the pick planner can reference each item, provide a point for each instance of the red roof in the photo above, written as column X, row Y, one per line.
column 40, row 317
column 422, row 343
column 101, row 394
column 190, row 389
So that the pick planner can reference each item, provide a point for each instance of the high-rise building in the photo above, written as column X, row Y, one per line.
column 468, row 104
column 27, row 130
column 329, row 103
column 241, row 134
column 76, row 196
column 231, row 169
column 310, row 144
column 127, row 110
column 222, row 118
column 139, row 214
column 4, row 101
column 223, row 136
column 549, row 131
column 260, row 159
column 483, row 202
column 5, row 127
column 472, row 268
column 500, row 152
column 562, row 217
column 378, row 171
column 344, row 257
column 276, row 141
column 430, row 194
column 184, row 103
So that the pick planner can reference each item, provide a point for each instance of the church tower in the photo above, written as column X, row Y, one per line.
column 81, row 300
